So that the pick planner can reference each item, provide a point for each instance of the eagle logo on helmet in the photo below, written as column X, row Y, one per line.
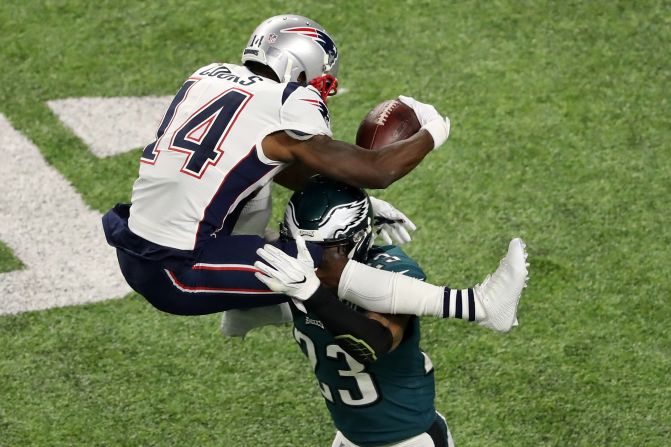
column 335, row 213
column 343, row 218
column 337, row 223
column 321, row 38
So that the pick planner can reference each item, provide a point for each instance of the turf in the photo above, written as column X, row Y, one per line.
column 561, row 132
column 8, row 262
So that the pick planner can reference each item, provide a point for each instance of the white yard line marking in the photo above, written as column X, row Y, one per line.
column 111, row 126
column 55, row 235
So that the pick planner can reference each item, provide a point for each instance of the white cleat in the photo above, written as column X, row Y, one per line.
column 500, row 292
column 238, row 322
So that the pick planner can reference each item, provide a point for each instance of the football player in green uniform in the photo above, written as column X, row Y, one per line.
column 377, row 397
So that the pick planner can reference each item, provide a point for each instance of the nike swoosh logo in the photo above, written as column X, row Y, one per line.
column 299, row 282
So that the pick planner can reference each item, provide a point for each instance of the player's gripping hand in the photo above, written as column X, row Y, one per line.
column 285, row 274
column 391, row 224
column 427, row 115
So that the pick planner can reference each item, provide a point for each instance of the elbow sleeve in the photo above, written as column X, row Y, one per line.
column 374, row 341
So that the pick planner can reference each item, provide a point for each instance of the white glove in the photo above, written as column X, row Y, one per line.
column 437, row 125
column 391, row 223
column 291, row 276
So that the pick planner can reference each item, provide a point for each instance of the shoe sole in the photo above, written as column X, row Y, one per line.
column 517, row 244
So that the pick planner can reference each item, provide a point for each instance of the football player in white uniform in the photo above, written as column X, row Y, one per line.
column 228, row 132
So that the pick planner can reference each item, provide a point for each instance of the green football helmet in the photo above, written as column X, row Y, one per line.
column 331, row 213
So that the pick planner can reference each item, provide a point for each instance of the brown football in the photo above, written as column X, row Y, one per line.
column 388, row 122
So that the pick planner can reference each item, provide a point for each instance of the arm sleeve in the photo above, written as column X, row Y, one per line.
column 303, row 113
column 361, row 337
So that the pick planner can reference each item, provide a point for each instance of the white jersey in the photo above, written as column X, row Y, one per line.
column 207, row 158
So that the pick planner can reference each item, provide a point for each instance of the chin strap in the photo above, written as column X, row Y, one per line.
column 326, row 84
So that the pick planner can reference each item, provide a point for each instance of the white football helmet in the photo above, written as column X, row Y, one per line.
column 292, row 44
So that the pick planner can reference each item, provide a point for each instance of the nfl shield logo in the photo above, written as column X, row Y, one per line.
column 272, row 38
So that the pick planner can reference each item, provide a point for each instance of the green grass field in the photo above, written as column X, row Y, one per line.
column 561, row 134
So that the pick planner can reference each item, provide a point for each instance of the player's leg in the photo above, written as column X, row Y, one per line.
column 238, row 322
column 222, row 278
column 493, row 303
column 341, row 441
column 421, row 440
column 253, row 220
column 440, row 432
column 192, row 292
column 438, row 435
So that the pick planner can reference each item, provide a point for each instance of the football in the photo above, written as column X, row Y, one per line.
column 388, row 122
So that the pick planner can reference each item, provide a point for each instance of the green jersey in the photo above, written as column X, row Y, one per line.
column 387, row 401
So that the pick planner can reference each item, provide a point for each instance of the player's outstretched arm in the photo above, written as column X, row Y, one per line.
column 350, row 163
column 493, row 303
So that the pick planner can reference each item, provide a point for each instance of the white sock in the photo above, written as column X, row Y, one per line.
column 394, row 293
column 389, row 292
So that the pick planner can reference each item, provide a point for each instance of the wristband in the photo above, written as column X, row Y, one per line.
column 439, row 130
